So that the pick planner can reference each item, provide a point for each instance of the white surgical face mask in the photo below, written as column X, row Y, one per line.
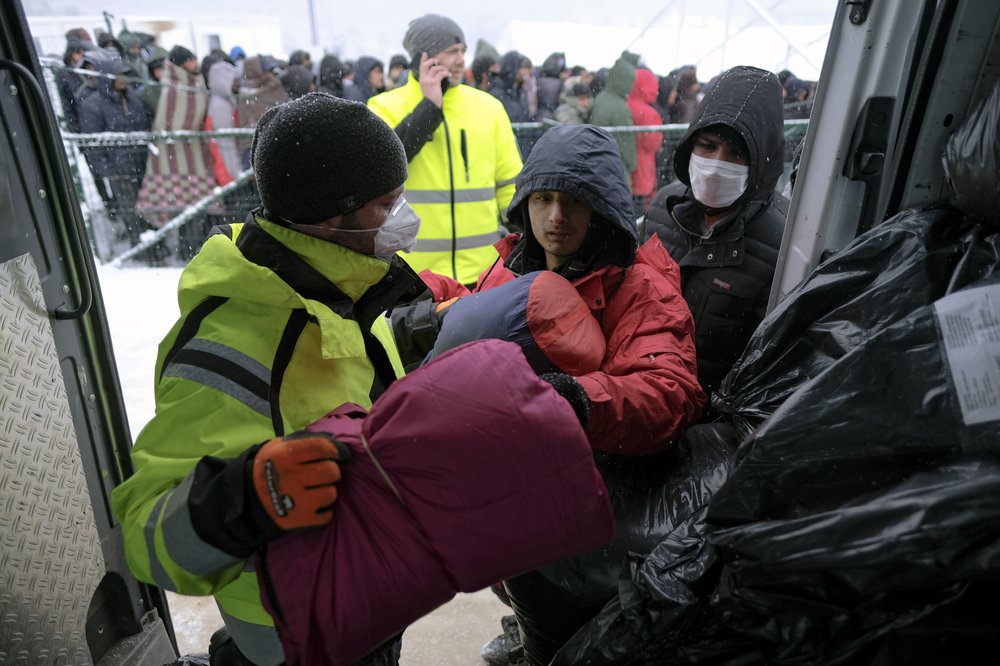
column 397, row 234
column 717, row 183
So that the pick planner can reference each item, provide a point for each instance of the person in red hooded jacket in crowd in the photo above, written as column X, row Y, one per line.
column 648, row 144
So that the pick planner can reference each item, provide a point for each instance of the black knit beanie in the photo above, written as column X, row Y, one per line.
column 320, row 156
column 431, row 34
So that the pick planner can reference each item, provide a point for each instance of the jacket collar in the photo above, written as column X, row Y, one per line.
column 352, row 285
column 261, row 262
column 592, row 287
column 723, row 244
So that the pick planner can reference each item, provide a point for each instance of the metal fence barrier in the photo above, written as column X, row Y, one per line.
column 222, row 205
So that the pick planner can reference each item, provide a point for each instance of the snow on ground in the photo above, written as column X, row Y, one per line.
column 141, row 306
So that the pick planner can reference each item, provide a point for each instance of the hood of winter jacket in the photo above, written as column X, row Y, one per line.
column 748, row 100
column 253, row 70
column 114, row 67
column 509, row 64
column 72, row 46
column 221, row 269
column 645, row 88
column 621, row 77
column 129, row 39
column 362, row 68
column 331, row 72
column 220, row 79
column 484, row 48
column 296, row 80
column 553, row 65
column 582, row 160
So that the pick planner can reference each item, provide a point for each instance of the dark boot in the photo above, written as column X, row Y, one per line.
column 222, row 650
column 505, row 649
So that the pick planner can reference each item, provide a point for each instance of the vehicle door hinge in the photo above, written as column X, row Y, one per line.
column 869, row 147
column 858, row 10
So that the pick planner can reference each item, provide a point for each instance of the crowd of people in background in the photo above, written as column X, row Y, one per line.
column 236, row 88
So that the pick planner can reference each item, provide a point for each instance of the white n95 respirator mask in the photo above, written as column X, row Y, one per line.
column 397, row 234
column 717, row 183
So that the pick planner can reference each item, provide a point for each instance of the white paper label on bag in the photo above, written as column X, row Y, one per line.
column 970, row 328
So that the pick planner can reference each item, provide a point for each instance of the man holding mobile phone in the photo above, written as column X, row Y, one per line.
column 461, row 150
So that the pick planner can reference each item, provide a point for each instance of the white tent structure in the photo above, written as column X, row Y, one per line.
column 712, row 34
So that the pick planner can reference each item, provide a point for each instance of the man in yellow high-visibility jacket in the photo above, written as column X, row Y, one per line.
column 281, row 321
column 461, row 150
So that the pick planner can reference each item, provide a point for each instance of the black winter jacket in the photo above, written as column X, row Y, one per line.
column 362, row 90
column 726, row 273
column 106, row 110
column 504, row 88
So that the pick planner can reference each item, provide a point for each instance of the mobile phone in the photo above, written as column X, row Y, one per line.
column 415, row 70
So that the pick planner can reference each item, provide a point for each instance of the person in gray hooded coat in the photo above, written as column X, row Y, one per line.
column 223, row 83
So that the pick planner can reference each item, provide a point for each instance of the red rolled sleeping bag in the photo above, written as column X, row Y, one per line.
column 467, row 471
column 541, row 312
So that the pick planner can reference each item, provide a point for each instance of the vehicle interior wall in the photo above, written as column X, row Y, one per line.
column 959, row 65
column 894, row 87
column 68, row 596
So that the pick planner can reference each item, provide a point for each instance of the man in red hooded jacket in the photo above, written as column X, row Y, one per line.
column 575, row 207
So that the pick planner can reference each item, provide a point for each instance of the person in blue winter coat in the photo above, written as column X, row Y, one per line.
column 114, row 106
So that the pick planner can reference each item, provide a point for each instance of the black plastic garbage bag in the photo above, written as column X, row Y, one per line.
column 787, row 592
column 904, row 264
column 897, row 405
column 650, row 496
column 865, row 506
column 868, row 500
column 972, row 161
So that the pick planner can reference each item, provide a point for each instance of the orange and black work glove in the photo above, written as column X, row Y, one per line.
column 287, row 483
column 295, row 477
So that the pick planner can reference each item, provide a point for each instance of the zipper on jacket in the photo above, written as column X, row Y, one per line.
column 465, row 155
column 451, row 189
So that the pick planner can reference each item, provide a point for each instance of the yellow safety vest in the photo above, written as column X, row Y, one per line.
column 216, row 392
column 459, row 181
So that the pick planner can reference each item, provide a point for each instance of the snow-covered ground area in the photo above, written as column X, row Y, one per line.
column 141, row 305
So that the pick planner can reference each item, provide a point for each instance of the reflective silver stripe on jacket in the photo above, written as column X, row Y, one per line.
column 220, row 382
column 444, row 196
column 461, row 243
column 149, row 531
column 184, row 546
column 258, row 643
column 505, row 183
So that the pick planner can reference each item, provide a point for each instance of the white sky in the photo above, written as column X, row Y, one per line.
column 590, row 32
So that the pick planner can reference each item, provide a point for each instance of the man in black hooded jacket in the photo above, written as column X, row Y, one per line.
column 722, row 220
